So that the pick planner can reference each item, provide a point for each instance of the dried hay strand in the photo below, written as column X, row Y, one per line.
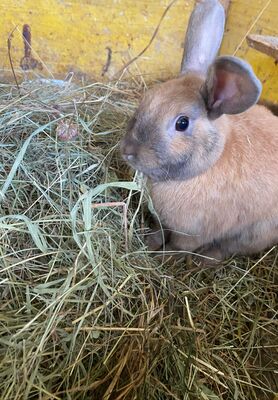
column 86, row 312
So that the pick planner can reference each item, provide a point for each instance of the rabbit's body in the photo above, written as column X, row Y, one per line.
column 211, row 156
column 233, row 206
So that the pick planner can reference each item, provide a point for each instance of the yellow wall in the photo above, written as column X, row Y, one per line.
column 72, row 35
column 260, row 17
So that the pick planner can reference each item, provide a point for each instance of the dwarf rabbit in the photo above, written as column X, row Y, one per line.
column 211, row 156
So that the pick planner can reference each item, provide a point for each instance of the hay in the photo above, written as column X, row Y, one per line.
column 81, row 316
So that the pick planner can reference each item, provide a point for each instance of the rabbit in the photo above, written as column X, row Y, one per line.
column 209, row 152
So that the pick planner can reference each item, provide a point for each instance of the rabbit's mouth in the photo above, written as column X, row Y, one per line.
column 134, row 164
column 164, row 173
column 150, row 172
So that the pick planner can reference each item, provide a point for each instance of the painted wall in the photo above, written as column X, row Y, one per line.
column 75, row 36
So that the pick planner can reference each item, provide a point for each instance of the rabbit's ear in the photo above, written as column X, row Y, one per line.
column 203, row 37
column 231, row 87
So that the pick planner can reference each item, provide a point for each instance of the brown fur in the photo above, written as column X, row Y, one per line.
column 214, row 180
column 237, row 196
column 232, row 205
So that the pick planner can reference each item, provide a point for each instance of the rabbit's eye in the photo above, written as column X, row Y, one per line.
column 182, row 123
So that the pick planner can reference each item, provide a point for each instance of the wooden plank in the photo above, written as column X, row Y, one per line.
column 265, row 44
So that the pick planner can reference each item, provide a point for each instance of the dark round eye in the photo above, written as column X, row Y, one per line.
column 182, row 123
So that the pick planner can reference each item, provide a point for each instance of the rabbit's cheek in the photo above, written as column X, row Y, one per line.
column 146, row 159
column 179, row 146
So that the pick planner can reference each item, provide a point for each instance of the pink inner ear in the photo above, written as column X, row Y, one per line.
column 225, row 85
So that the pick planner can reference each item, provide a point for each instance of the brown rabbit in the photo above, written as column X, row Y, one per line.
column 212, row 161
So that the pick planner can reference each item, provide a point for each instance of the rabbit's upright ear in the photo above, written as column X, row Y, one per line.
column 231, row 87
column 203, row 36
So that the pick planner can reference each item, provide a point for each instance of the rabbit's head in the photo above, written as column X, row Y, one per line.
column 173, row 134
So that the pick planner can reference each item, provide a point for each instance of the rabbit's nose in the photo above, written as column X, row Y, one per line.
column 129, row 152
column 129, row 157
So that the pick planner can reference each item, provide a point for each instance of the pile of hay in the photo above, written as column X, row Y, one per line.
column 83, row 316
